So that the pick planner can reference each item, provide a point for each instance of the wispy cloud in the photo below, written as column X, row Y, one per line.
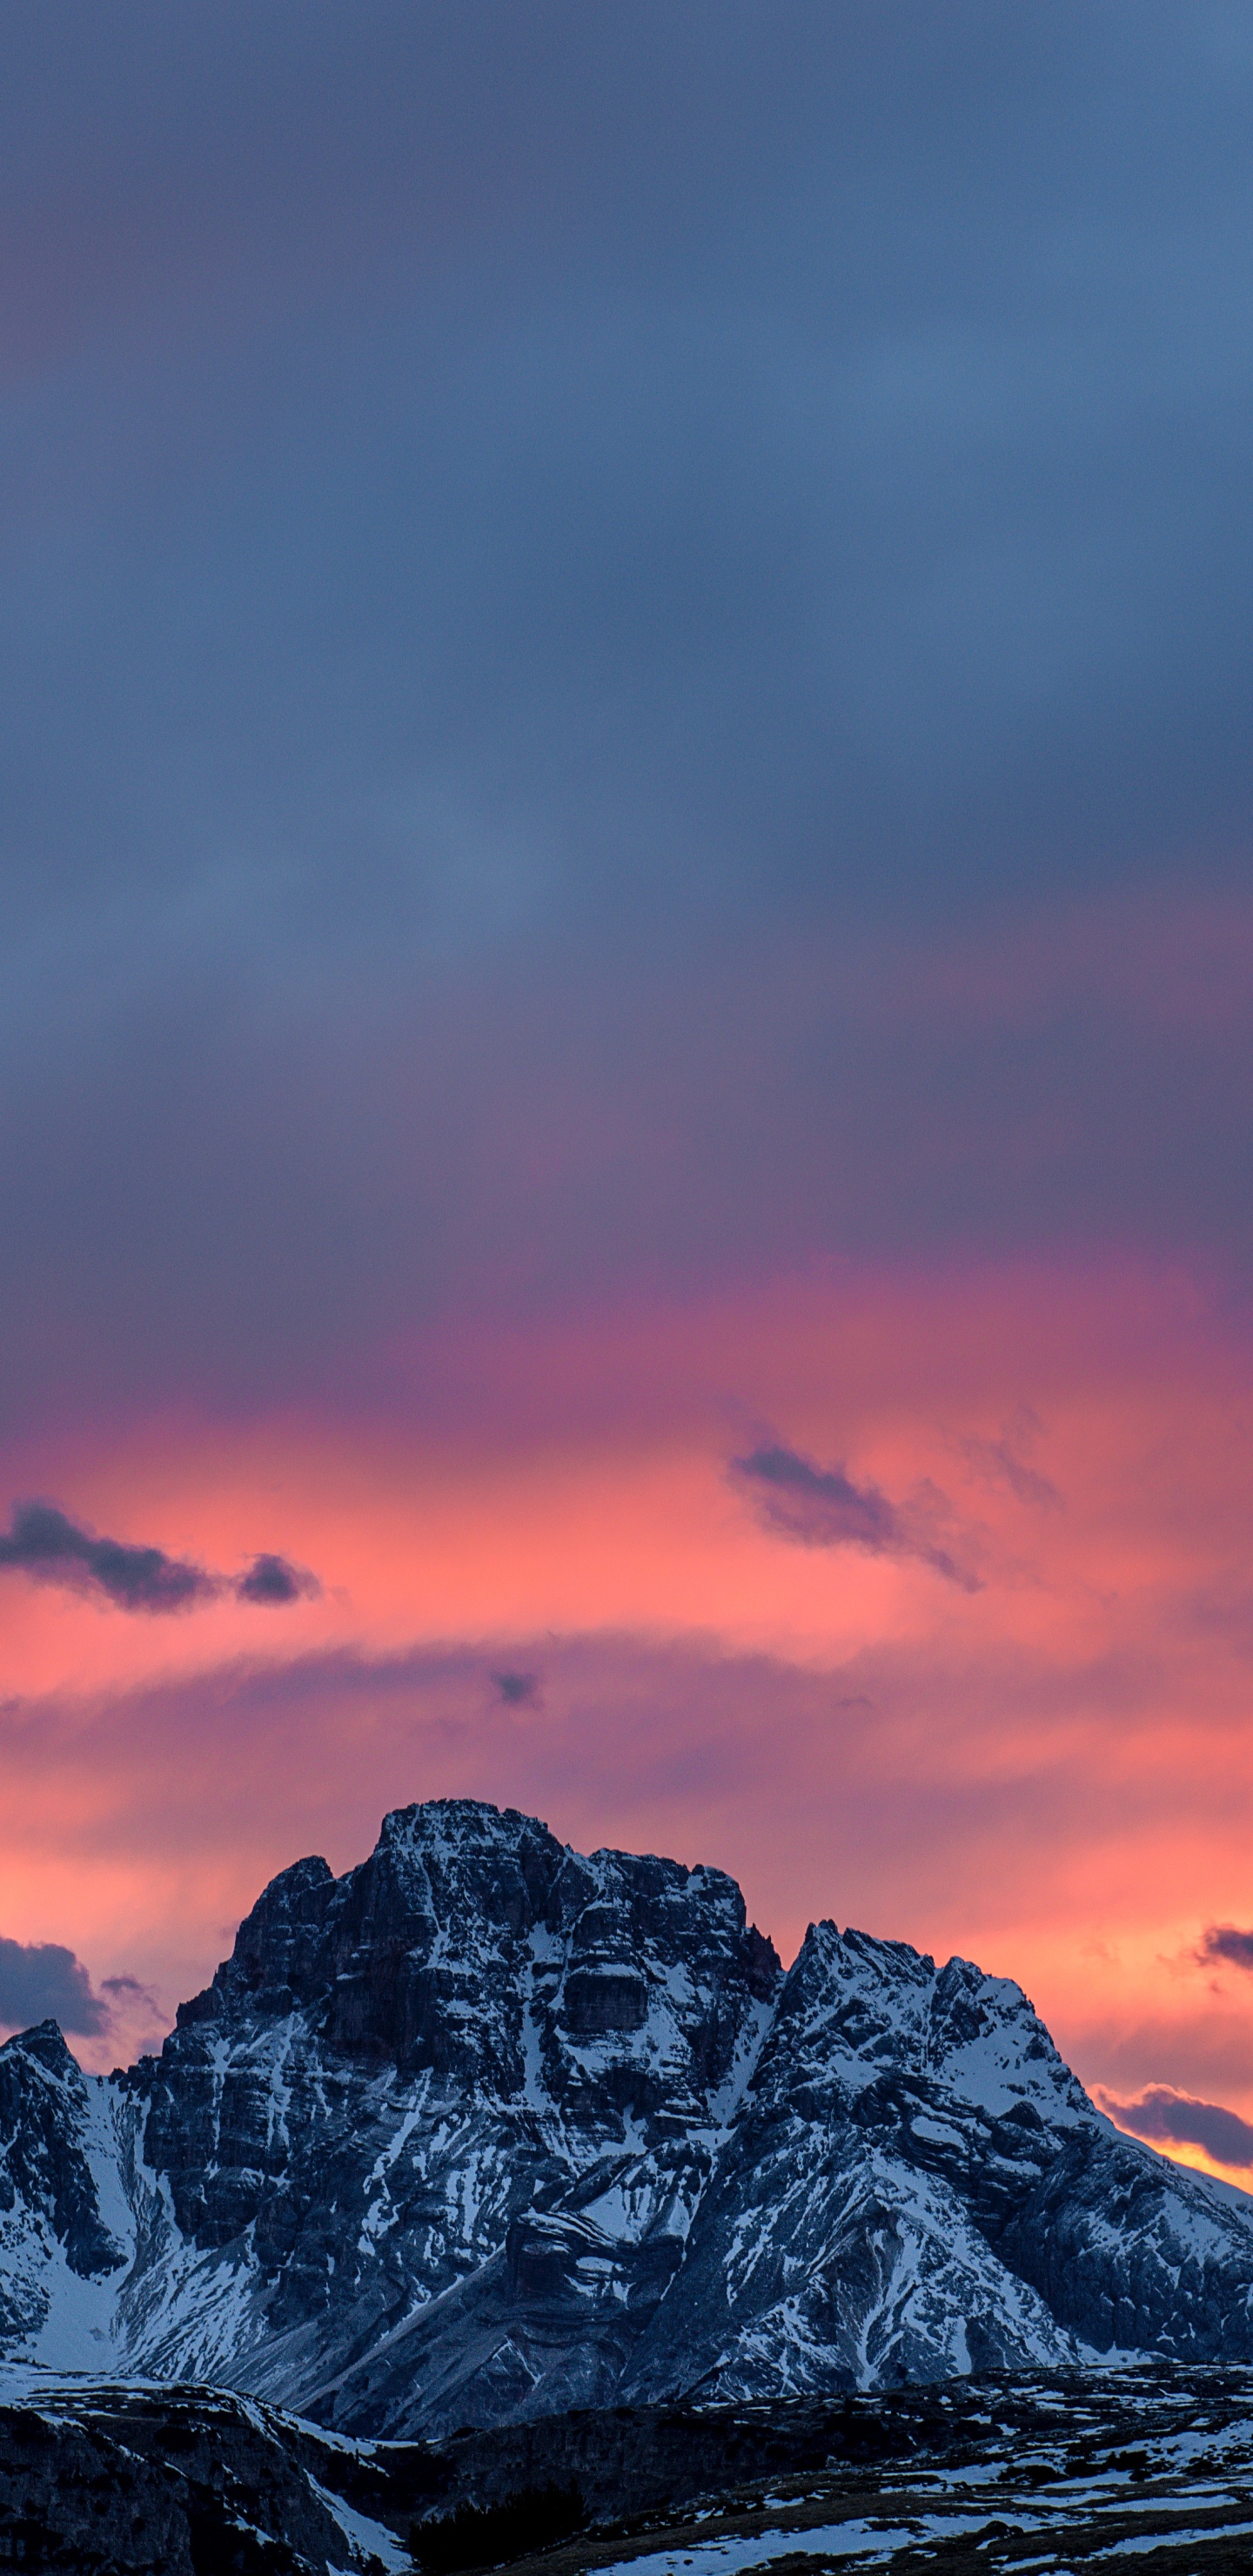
column 815, row 1506
column 1004, row 1464
column 44, row 1543
column 1176, row 2119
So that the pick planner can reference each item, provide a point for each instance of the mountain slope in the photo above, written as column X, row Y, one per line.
column 484, row 2129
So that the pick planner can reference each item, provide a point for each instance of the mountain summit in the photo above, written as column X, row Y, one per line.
column 485, row 2129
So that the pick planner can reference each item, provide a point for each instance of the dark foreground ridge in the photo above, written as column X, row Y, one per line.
column 485, row 2130
column 1064, row 2470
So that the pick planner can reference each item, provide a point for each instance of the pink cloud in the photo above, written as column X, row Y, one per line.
column 1050, row 1774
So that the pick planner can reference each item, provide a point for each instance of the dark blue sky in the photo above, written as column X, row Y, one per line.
column 625, row 656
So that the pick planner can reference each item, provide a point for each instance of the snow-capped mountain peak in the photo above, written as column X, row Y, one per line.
column 485, row 2127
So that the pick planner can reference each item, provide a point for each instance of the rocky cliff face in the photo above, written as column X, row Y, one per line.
column 483, row 2130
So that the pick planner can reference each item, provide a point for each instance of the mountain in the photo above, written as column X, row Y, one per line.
column 484, row 2130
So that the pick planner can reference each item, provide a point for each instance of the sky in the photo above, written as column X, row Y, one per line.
column 626, row 983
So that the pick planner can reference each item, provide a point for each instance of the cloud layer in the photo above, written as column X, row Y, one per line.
column 711, row 735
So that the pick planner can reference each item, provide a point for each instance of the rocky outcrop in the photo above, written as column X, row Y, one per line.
column 193, row 2484
column 1070, row 2469
column 484, row 2130
column 45, row 2141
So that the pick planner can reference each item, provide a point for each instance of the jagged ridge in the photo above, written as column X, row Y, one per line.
column 484, row 2129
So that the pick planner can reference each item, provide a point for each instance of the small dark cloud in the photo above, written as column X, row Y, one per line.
column 1002, row 1463
column 1223, row 1941
column 43, row 1542
column 41, row 1981
column 821, row 1507
column 1173, row 2118
column 271, row 1581
column 516, row 1688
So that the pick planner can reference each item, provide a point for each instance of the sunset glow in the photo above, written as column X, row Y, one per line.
column 629, row 990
